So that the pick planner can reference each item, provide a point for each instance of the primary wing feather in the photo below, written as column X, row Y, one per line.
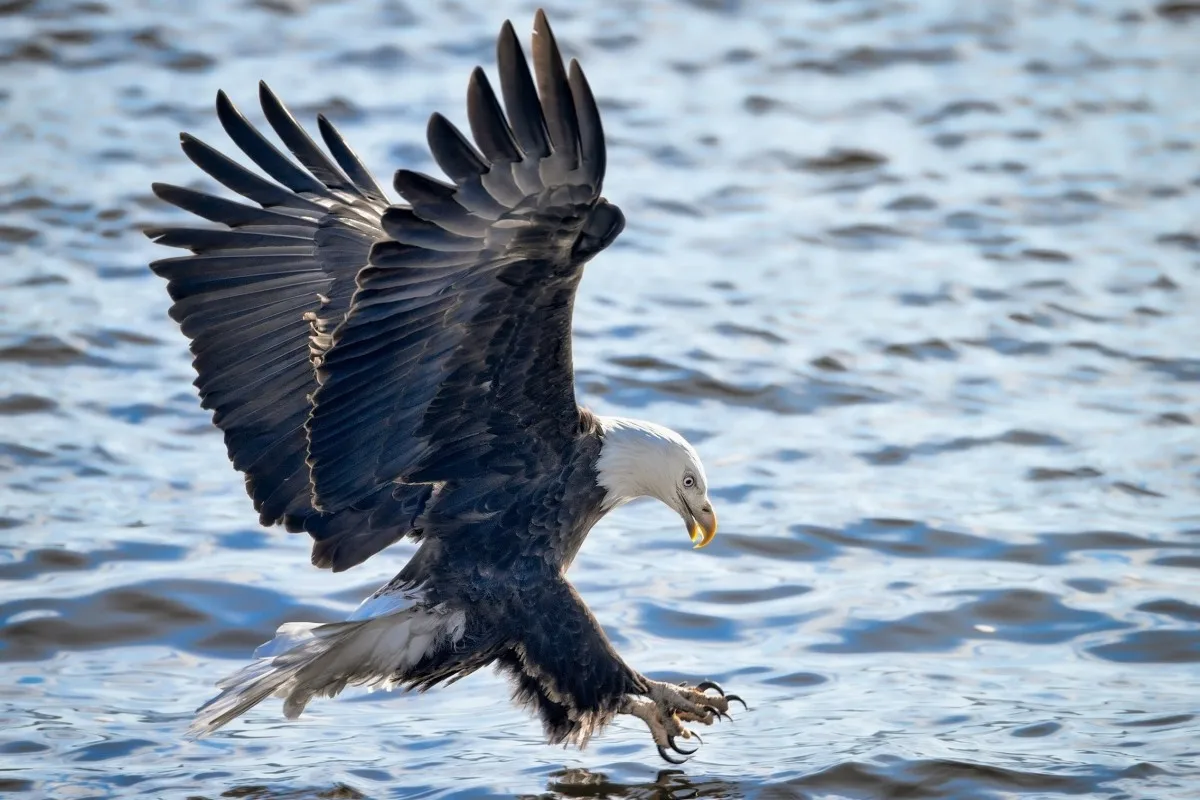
column 454, row 359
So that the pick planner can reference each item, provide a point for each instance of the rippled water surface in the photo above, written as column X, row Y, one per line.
column 921, row 279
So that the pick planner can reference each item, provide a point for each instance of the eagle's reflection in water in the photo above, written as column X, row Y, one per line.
column 668, row 784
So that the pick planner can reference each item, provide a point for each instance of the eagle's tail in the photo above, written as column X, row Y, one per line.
column 309, row 659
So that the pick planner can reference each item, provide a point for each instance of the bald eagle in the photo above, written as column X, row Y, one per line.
column 384, row 370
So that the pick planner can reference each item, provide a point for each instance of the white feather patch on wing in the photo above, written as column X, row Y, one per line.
column 288, row 636
column 376, row 647
column 385, row 601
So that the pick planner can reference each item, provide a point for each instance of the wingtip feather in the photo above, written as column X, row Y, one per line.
column 520, row 95
column 554, row 89
column 592, row 147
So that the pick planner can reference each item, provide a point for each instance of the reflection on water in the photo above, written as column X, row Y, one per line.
column 919, row 278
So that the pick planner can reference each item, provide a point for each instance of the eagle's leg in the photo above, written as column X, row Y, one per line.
column 665, row 708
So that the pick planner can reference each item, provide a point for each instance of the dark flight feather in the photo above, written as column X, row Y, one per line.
column 557, row 97
column 241, row 180
column 488, row 125
column 302, row 146
column 520, row 97
column 350, row 162
column 263, row 153
column 591, row 131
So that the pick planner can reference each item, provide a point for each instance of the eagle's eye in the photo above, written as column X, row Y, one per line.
column 689, row 481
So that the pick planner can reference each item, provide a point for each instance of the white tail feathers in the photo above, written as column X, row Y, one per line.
column 308, row 659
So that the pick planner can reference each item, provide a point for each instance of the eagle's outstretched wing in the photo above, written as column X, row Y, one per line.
column 354, row 352
column 250, row 297
column 454, row 360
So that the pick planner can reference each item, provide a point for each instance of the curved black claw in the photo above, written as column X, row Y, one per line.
column 721, row 714
column 676, row 748
column 662, row 751
column 705, row 685
column 733, row 697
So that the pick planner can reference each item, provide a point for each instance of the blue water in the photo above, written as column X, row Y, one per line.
column 920, row 280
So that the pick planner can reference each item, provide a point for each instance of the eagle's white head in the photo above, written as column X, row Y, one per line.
column 641, row 459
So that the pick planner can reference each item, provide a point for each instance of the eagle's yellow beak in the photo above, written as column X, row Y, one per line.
column 703, row 527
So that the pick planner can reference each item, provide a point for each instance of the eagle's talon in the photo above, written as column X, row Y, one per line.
column 733, row 698
column 662, row 751
column 704, row 686
column 677, row 749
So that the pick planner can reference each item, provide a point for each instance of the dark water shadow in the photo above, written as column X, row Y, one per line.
column 338, row 791
column 915, row 539
column 205, row 617
column 643, row 381
column 42, row 561
column 1018, row 615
